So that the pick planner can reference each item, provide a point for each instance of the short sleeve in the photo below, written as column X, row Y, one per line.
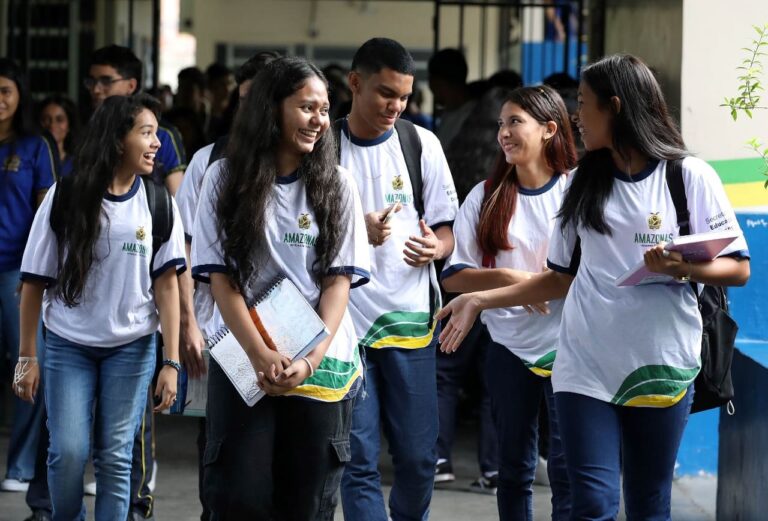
column 171, row 156
column 45, row 165
column 188, row 194
column 708, row 204
column 440, row 198
column 564, row 254
column 40, row 260
column 354, row 255
column 207, row 253
column 172, row 253
column 466, row 252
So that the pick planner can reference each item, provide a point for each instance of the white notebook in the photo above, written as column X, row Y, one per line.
column 287, row 323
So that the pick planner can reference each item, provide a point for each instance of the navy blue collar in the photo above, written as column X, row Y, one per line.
column 648, row 170
column 542, row 189
column 127, row 195
column 288, row 179
column 366, row 142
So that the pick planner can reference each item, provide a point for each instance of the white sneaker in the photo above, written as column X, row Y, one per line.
column 14, row 485
column 152, row 480
column 89, row 489
column 541, row 477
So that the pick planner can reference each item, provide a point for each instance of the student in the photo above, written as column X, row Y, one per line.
column 393, row 313
column 116, row 71
column 502, row 232
column 197, row 309
column 100, row 351
column 279, row 205
column 27, row 166
column 58, row 115
column 626, row 357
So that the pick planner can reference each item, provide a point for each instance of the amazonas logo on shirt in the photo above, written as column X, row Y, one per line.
column 137, row 248
column 306, row 240
column 397, row 195
column 649, row 239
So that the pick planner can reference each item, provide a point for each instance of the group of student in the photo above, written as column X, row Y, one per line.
column 355, row 212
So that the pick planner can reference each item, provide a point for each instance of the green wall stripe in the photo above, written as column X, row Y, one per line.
column 740, row 170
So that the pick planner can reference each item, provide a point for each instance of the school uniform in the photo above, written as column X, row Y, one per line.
column 101, row 350
column 295, row 445
column 393, row 318
column 628, row 356
column 523, row 347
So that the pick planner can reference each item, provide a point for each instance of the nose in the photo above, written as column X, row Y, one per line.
column 156, row 144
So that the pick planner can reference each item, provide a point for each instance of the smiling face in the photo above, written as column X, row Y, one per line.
column 520, row 136
column 9, row 100
column 594, row 120
column 304, row 117
column 54, row 119
column 379, row 98
column 140, row 144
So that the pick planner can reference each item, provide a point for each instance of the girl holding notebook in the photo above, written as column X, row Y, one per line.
column 626, row 357
column 90, row 263
column 279, row 205
column 502, row 232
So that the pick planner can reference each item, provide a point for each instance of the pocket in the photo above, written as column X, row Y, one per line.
column 342, row 449
column 341, row 454
column 212, row 452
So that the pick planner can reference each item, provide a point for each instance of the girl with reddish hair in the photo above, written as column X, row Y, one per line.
column 502, row 236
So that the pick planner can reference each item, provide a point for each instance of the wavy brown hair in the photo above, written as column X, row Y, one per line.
column 544, row 105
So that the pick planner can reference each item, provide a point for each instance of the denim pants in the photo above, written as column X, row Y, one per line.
column 22, row 446
column 400, row 396
column 279, row 460
column 516, row 394
column 604, row 442
column 103, row 388
column 452, row 370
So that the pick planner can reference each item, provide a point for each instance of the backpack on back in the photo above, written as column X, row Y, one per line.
column 713, row 385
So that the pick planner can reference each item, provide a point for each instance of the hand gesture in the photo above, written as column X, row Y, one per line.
column 463, row 311
column 377, row 224
column 420, row 251
column 166, row 387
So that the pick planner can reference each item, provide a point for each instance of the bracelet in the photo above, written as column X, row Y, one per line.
column 687, row 278
column 32, row 359
column 172, row 363
column 311, row 369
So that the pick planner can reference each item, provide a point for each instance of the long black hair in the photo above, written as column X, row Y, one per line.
column 643, row 123
column 73, row 120
column 245, row 188
column 95, row 164
column 22, row 124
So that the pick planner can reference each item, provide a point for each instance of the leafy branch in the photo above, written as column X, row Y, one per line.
column 750, row 87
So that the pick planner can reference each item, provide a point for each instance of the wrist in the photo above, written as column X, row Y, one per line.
column 684, row 271
column 170, row 362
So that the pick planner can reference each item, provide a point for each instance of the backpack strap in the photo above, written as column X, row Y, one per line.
column 674, row 173
column 161, row 210
column 489, row 261
column 217, row 152
column 411, row 147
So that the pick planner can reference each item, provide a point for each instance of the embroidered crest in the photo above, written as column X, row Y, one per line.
column 397, row 182
column 141, row 234
column 12, row 163
column 304, row 221
column 654, row 221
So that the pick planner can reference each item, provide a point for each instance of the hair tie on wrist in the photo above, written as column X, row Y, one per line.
column 311, row 369
column 172, row 363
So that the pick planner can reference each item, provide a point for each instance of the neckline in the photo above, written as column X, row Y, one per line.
column 542, row 189
column 365, row 142
column 127, row 195
column 288, row 179
column 645, row 172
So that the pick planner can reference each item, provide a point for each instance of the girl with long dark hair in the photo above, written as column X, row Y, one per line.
column 26, row 171
column 626, row 357
column 502, row 232
column 91, row 264
column 58, row 115
column 279, row 205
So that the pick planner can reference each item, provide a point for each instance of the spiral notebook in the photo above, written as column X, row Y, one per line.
column 287, row 323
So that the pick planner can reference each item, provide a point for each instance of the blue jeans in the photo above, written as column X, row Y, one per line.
column 400, row 395
column 22, row 446
column 516, row 394
column 603, row 441
column 115, row 380
column 452, row 370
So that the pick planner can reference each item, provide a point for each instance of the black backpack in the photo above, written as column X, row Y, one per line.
column 158, row 201
column 713, row 385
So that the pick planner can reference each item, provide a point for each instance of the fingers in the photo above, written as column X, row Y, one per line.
column 418, row 259
column 441, row 314
column 425, row 230
column 445, row 332
column 167, row 395
column 453, row 340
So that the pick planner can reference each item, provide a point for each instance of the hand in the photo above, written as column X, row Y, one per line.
column 542, row 308
column 463, row 311
column 26, row 386
column 378, row 230
column 191, row 345
column 166, row 387
column 291, row 377
column 268, row 365
column 422, row 250
column 659, row 260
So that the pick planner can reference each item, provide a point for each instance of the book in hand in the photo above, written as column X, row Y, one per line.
column 191, row 393
column 287, row 323
column 699, row 247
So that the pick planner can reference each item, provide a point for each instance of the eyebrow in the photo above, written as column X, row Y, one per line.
column 147, row 125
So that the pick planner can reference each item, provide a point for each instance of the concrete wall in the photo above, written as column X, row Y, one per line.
column 652, row 30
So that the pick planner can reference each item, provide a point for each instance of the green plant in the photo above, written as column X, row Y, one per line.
column 750, row 88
